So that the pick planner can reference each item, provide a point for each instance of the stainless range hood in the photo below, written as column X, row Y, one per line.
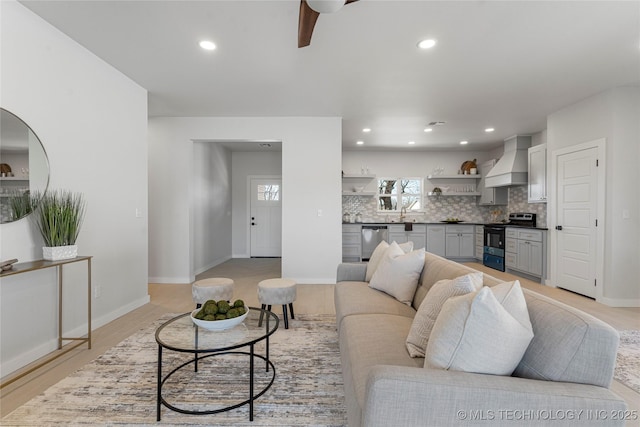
column 513, row 167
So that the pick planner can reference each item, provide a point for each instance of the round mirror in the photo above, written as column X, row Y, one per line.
column 24, row 168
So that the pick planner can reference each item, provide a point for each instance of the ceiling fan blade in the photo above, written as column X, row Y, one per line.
column 306, row 22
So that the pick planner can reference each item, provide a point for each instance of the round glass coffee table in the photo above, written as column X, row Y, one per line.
column 181, row 335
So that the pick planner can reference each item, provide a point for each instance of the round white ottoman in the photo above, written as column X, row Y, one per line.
column 215, row 288
column 277, row 292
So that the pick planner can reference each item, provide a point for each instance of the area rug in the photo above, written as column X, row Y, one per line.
column 119, row 387
column 628, row 360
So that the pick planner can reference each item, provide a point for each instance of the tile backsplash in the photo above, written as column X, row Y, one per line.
column 439, row 208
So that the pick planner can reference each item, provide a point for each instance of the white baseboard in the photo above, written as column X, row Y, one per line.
column 212, row 264
column 121, row 311
column 43, row 349
column 170, row 280
column 240, row 256
column 619, row 302
column 23, row 359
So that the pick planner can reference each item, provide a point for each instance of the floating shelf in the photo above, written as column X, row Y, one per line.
column 476, row 176
column 358, row 177
column 432, row 194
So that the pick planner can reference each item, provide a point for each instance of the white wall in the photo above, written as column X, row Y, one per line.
column 211, row 205
column 615, row 116
column 92, row 121
column 244, row 165
column 311, row 152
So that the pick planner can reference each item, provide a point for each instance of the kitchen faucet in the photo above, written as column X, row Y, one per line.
column 403, row 213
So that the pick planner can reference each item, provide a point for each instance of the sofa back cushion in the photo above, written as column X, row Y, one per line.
column 568, row 345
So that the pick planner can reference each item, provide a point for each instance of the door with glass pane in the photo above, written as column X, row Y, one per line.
column 266, row 217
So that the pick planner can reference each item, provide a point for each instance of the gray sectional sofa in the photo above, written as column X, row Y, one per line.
column 563, row 378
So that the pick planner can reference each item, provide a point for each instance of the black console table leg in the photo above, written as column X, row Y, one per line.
column 251, row 383
column 159, row 398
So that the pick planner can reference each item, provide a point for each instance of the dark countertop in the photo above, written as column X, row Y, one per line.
column 442, row 223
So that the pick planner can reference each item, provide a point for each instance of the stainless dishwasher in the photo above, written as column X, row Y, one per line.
column 372, row 235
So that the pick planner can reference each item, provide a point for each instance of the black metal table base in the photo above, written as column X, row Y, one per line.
column 252, row 395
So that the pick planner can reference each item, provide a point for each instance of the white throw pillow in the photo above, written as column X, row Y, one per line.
column 476, row 333
column 431, row 305
column 398, row 273
column 374, row 260
column 406, row 246
column 378, row 254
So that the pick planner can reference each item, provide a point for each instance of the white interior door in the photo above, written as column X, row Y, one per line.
column 266, row 217
column 577, row 196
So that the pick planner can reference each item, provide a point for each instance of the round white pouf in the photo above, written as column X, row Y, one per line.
column 278, row 292
column 215, row 288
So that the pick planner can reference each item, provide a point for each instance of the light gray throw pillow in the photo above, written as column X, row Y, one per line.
column 431, row 305
column 398, row 273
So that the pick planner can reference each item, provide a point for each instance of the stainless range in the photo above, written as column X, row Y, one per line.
column 494, row 238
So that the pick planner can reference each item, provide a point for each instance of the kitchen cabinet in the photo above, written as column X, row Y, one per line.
column 418, row 235
column 479, row 236
column 459, row 241
column 436, row 239
column 351, row 243
column 454, row 185
column 358, row 185
column 490, row 196
column 525, row 251
column 537, row 187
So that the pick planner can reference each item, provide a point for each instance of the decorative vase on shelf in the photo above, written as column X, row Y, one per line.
column 58, row 253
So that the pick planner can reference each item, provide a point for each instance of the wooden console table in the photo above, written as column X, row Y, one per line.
column 25, row 267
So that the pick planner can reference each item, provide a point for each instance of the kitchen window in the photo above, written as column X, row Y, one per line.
column 397, row 193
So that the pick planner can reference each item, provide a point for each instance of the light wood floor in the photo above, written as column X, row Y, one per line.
column 246, row 273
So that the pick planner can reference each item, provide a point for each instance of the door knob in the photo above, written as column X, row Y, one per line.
column 558, row 227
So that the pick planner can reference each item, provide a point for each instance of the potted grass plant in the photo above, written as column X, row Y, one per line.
column 59, row 216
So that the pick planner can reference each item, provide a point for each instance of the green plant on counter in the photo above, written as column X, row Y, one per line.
column 59, row 216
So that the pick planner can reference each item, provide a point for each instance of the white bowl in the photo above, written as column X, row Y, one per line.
column 218, row 325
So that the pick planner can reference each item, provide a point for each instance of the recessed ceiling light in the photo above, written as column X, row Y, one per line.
column 464, row 142
column 489, row 129
column 366, row 130
column 207, row 45
column 360, row 142
column 426, row 44
column 428, row 130
column 411, row 143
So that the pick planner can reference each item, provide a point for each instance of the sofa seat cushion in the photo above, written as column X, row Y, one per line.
column 358, row 298
column 368, row 340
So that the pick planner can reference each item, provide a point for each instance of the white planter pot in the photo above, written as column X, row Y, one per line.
column 57, row 253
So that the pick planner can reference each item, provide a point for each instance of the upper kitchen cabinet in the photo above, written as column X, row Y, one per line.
column 537, row 187
column 358, row 185
column 490, row 196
